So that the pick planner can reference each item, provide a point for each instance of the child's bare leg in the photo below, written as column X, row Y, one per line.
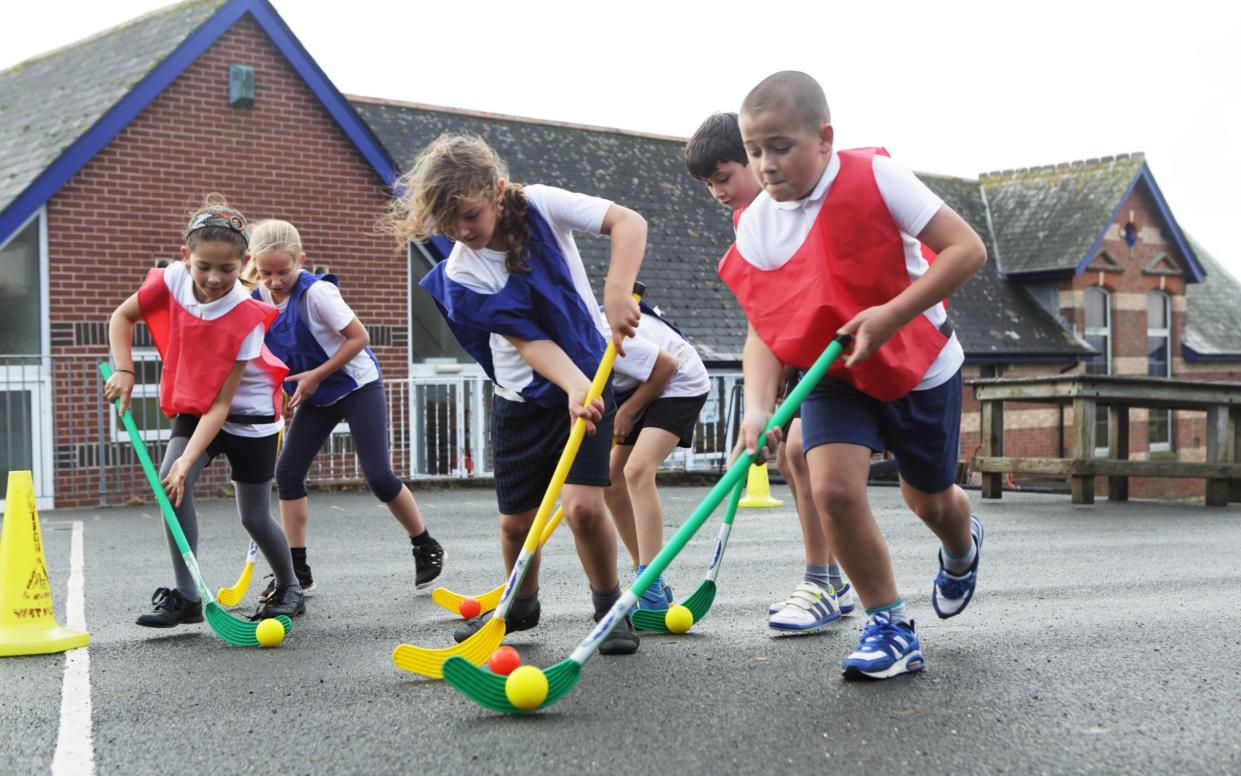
column 593, row 533
column 946, row 513
column 405, row 510
column 650, row 450
column 513, row 531
column 797, row 473
column 617, row 497
column 294, row 514
column 838, row 474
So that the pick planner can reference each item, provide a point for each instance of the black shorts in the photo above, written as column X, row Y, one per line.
column 678, row 415
column 789, row 385
column 527, row 441
column 251, row 460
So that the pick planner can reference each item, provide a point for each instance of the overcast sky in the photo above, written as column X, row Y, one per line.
column 954, row 88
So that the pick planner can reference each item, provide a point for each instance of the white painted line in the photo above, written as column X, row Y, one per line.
column 75, row 752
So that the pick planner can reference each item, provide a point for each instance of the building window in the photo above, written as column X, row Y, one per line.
column 430, row 339
column 21, row 293
column 1159, row 364
column 1099, row 337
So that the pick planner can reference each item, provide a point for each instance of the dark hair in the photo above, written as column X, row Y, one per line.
column 717, row 140
column 224, row 225
column 794, row 91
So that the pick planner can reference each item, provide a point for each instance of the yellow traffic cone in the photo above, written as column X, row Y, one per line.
column 27, row 624
column 758, row 489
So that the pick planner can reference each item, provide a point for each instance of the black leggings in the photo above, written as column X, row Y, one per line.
column 366, row 411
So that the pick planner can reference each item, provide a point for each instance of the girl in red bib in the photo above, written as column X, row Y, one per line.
column 222, row 388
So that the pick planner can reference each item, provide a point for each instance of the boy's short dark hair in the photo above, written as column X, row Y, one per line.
column 794, row 91
column 717, row 140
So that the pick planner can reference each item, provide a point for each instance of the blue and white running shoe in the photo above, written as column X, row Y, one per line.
column 810, row 608
column 844, row 599
column 886, row 649
column 658, row 596
column 951, row 594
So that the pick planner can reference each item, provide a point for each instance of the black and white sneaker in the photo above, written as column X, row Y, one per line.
column 304, row 579
column 287, row 600
column 428, row 563
column 171, row 609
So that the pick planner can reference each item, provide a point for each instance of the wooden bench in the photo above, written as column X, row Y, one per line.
column 1090, row 394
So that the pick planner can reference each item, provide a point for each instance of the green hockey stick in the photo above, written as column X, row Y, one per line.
column 228, row 627
column 487, row 689
column 700, row 601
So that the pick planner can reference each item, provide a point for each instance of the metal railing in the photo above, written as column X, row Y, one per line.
column 53, row 421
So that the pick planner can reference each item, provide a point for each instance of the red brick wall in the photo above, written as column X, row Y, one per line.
column 1031, row 430
column 285, row 158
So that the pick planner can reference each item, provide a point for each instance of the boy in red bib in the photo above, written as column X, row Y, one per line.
column 222, row 386
column 831, row 247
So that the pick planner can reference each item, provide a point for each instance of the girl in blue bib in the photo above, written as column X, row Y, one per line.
column 333, row 377
column 515, row 293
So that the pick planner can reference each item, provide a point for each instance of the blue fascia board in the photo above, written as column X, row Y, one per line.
column 1195, row 272
column 1206, row 358
column 81, row 151
column 1021, row 358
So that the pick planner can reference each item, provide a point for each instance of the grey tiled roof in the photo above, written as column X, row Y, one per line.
column 46, row 103
column 1213, row 317
column 994, row 317
column 688, row 231
column 1048, row 218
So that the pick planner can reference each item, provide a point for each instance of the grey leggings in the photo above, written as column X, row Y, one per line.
column 254, row 506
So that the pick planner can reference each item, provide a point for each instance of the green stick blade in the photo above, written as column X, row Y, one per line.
column 698, row 604
column 235, row 631
column 487, row 689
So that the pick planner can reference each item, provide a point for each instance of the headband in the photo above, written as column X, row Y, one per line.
column 214, row 218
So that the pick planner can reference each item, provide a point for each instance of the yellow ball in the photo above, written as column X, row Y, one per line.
column 678, row 619
column 269, row 633
column 526, row 687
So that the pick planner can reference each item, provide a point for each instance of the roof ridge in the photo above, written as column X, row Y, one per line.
column 109, row 31
column 508, row 117
column 1135, row 157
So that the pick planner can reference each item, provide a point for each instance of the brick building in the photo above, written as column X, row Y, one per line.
column 106, row 145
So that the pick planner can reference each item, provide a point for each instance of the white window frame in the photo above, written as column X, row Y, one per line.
column 1166, row 333
column 38, row 378
column 1105, row 331
column 141, row 391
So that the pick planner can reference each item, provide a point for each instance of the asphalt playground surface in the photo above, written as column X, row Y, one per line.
column 1102, row 639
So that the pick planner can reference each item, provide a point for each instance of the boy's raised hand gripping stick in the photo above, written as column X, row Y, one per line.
column 475, row 650
column 487, row 689
column 228, row 627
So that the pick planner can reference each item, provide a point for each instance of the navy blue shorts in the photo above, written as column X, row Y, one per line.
column 527, row 441
column 922, row 428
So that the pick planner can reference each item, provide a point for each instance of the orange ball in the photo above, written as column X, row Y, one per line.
column 470, row 608
column 504, row 661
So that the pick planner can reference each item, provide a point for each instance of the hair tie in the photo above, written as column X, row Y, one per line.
column 208, row 218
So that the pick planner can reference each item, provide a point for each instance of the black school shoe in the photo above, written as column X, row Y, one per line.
column 511, row 623
column 304, row 579
column 286, row 600
column 171, row 609
column 623, row 640
column 428, row 563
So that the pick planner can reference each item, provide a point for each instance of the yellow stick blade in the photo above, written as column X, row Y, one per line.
column 430, row 662
column 452, row 601
column 231, row 596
